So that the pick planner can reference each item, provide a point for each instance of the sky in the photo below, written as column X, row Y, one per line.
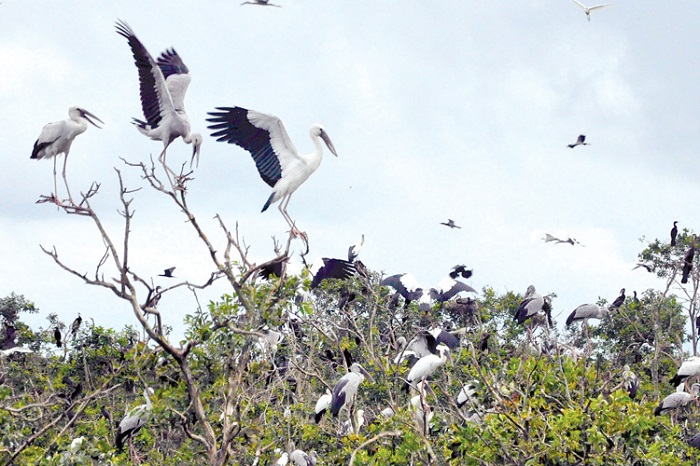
column 455, row 109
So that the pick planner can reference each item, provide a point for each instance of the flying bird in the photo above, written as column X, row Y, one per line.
column 581, row 140
column 56, row 138
column 587, row 9
column 354, row 250
column 674, row 233
column 450, row 223
column 167, row 273
column 460, row 270
column 163, row 86
column 331, row 268
column 407, row 286
column 643, row 265
column 278, row 162
column 261, row 3
column 549, row 238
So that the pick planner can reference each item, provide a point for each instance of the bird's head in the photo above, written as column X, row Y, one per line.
column 196, row 140
column 79, row 112
column 317, row 130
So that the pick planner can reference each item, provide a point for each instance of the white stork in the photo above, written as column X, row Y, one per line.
column 279, row 163
column 261, row 3
column 57, row 137
column 689, row 368
column 163, row 87
column 677, row 399
column 588, row 9
column 322, row 404
column 300, row 458
column 580, row 141
column 345, row 390
column 531, row 304
column 134, row 421
column 585, row 312
column 426, row 365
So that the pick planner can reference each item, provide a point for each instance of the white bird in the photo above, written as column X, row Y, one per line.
column 134, row 421
column 630, row 381
column 322, row 404
column 585, row 312
column 347, row 427
column 531, row 304
column 77, row 444
column 261, row 3
column 163, row 87
column 279, row 163
column 300, row 458
column 587, row 9
column 426, row 365
column 354, row 250
column 422, row 413
column 283, row 460
column 580, row 141
column 15, row 349
column 677, row 399
column 57, row 137
column 345, row 390
column 468, row 392
column 689, row 368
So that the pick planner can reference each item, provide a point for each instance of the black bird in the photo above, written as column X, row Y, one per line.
column 619, row 301
column 450, row 223
column 168, row 273
column 674, row 233
column 460, row 270
column 57, row 336
column 688, row 263
column 332, row 268
column 75, row 325
column 274, row 267
column 645, row 266
column 580, row 141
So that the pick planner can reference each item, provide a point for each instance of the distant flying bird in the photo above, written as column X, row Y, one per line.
column 619, row 301
column 407, row 286
column 643, row 265
column 163, row 86
column 279, row 163
column 549, row 238
column 167, row 273
column 460, row 270
column 674, row 233
column 580, row 141
column 450, row 223
column 56, row 138
column 261, row 3
column 588, row 10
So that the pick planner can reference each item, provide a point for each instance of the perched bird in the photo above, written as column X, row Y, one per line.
column 75, row 326
column 468, row 392
column 580, row 141
column 588, row 10
column 450, row 223
column 134, row 421
column 57, row 337
column 261, row 3
column 531, row 304
column 345, row 390
column 300, row 458
column 425, row 366
column 279, row 163
column 77, row 444
column 585, row 312
column 167, row 273
column 56, row 138
column 283, row 459
column 677, row 399
column 619, row 301
column 688, row 262
column 322, row 404
column 630, row 381
column 347, row 427
column 674, row 233
column 163, row 86
column 689, row 368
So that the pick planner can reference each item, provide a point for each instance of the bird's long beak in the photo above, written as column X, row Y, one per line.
column 364, row 371
column 196, row 145
column 328, row 142
column 87, row 115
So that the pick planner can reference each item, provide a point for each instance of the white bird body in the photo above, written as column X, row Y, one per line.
column 345, row 390
column 163, row 86
column 677, row 399
column 76, row 444
column 426, row 365
column 278, row 162
column 134, row 420
column 466, row 393
column 15, row 349
column 689, row 368
column 283, row 460
column 588, row 9
column 585, row 312
column 300, row 458
column 56, row 138
column 322, row 404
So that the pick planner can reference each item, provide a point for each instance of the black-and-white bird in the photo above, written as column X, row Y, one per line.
column 587, row 10
column 531, row 305
column 644, row 266
column 354, row 250
column 468, row 392
column 163, row 85
column 322, row 405
column 300, row 458
column 580, row 141
column 585, row 312
column 619, row 301
column 674, row 233
column 450, row 223
column 278, row 162
column 630, row 381
column 57, row 137
column 168, row 273
column 407, row 286
column 678, row 399
column 134, row 421
column 75, row 326
column 426, row 366
column 345, row 390
column 689, row 368
column 261, row 3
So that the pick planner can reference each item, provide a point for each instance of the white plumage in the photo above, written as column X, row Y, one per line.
column 689, row 368
column 426, row 365
column 322, row 404
column 134, row 420
column 345, row 390
column 587, row 10
column 585, row 312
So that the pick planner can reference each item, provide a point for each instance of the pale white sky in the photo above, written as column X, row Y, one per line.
column 457, row 109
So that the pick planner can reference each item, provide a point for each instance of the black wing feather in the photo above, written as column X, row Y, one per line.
column 231, row 124
column 170, row 63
